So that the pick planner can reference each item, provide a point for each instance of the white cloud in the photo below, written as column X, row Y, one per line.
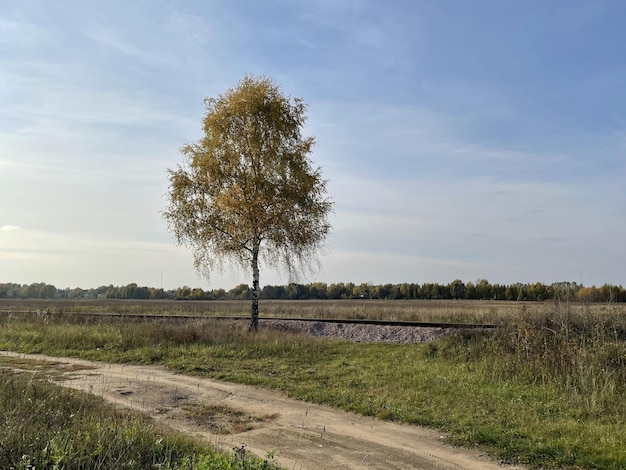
column 436, row 175
column 418, row 230
column 86, row 260
column 22, row 33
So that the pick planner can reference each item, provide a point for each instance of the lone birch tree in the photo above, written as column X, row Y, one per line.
column 247, row 193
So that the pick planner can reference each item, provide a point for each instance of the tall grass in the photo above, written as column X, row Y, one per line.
column 546, row 389
column 43, row 426
column 581, row 351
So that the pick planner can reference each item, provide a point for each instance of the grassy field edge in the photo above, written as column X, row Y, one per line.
column 502, row 392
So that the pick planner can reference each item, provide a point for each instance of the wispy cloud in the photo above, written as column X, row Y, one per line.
column 22, row 34
column 428, row 144
column 86, row 260
column 466, row 141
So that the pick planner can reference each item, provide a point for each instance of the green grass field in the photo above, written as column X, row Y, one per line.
column 547, row 389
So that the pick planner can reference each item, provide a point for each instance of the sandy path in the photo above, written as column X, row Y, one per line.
column 303, row 436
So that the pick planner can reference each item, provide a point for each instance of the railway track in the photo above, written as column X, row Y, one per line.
column 181, row 317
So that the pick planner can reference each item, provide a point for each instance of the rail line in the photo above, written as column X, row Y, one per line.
column 181, row 317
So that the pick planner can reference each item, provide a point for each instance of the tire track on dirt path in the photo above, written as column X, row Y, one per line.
column 302, row 435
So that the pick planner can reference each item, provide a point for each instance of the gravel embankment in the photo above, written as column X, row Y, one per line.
column 361, row 333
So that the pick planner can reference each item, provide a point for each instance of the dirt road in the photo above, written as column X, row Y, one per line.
column 302, row 436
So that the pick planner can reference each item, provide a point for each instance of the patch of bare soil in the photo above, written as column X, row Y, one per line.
column 303, row 436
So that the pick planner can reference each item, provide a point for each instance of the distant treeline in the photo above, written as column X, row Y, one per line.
column 479, row 290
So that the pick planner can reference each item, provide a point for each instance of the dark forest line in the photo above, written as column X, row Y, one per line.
column 457, row 289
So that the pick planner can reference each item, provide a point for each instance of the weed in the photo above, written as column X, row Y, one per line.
column 46, row 426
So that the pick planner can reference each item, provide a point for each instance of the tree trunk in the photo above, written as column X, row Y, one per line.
column 254, row 306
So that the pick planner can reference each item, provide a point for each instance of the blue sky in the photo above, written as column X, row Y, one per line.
column 461, row 139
